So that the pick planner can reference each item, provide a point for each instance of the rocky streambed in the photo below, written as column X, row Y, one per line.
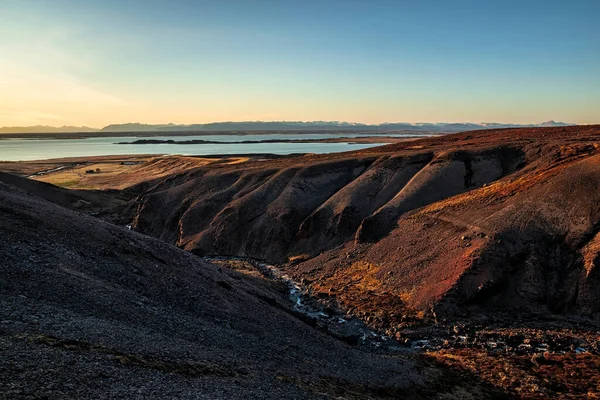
column 323, row 315
column 495, row 337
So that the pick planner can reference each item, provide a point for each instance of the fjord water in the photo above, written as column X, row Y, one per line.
column 22, row 149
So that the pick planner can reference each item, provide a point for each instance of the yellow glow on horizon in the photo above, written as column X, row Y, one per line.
column 51, row 96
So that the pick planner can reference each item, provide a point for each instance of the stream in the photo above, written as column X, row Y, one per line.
column 499, row 339
column 333, row 320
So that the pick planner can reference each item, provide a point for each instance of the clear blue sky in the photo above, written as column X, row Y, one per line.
column 99, row 62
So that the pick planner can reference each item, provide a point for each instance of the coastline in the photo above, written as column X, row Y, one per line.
column 88, row 135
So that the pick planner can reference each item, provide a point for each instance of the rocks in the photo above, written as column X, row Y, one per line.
column 543, row 342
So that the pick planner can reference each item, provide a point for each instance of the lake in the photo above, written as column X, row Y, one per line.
column 40, row 149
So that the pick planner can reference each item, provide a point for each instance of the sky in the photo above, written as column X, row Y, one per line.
column 93, row 63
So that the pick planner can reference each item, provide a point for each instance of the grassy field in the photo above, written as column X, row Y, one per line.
column 108, row 172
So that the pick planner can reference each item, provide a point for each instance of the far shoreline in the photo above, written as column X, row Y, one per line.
column 142, row 134
column 349, row 140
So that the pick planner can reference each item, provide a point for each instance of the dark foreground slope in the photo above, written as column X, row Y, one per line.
column 443, row 227
column 92, row 310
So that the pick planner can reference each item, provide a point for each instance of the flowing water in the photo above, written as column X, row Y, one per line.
column 330, row 319
column 351, row 329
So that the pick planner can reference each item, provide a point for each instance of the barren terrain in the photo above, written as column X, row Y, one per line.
column 478, row 249
column 94, row 310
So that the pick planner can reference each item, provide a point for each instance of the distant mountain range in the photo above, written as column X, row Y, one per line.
column 279, row 125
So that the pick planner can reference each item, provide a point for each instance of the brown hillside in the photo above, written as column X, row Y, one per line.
column 92, row 310
column 477, row 220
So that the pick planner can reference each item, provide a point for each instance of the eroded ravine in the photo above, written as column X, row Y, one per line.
column 325, row 316
column 495, row 337
column 271, row 211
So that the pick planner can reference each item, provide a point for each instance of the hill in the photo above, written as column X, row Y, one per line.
column 478, row 250
column 90, row 310
column 488, row 220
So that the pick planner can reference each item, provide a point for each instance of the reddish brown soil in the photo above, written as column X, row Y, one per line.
column 479, row 227
column 93, row 310
column 447, row 225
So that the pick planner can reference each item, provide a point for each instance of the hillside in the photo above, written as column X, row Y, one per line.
column 477, row 251
column 94, row 310
column 492, row 219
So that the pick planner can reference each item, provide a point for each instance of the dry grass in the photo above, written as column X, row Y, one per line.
column 77, row 178
column 115, row 172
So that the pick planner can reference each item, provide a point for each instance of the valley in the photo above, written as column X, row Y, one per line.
column 471, row 257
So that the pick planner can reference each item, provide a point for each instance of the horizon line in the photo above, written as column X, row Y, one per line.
column 339, row 122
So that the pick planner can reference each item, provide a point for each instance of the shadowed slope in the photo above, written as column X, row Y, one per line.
column 528, row 243
column 90, row 309
column 269, row 210
column 455, row 223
